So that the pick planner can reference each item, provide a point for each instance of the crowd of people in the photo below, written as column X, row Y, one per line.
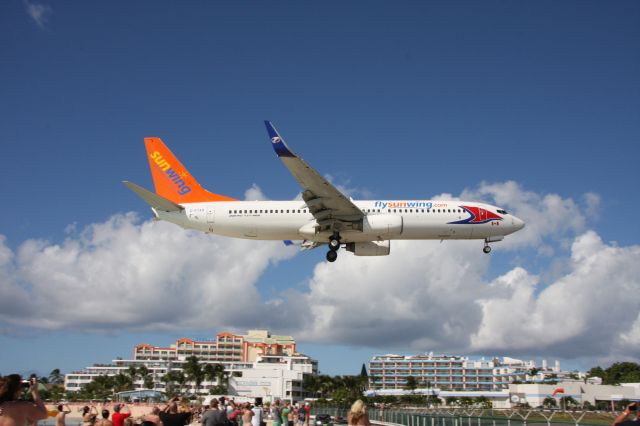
column 15, row 411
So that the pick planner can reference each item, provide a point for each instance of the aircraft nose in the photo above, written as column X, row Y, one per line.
column 518, row 223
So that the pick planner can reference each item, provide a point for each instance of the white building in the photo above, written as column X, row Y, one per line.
column 449, row 373
column 273, row 355
column 274, row 377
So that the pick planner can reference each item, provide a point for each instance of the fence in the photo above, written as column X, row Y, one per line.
column 476, row 417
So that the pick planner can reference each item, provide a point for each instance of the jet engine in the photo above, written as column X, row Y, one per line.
column 370, row 248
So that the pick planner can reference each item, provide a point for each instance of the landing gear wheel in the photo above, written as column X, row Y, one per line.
column 334, row 243
column 487, row 249
column 332, row 255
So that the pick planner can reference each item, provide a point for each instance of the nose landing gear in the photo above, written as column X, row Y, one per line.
column 334, row 246
column 486, row 248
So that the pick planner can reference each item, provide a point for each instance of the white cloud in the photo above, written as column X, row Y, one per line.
column 588, row 309
column 425, row 296
column 121, row 274
column 38, row 12
column 547, row 216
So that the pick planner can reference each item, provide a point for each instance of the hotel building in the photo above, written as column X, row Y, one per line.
column 250, row 361
column 445, row 372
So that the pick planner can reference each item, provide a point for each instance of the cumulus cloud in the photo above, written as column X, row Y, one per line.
column 548, row 216
column 430, row 296
column 131, row 275
column 38, row 12
column 425, row 296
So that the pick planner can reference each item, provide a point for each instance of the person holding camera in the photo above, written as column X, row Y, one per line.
column 623, row 420
column 16, row 412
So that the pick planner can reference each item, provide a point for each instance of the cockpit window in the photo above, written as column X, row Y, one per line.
column 502, row 211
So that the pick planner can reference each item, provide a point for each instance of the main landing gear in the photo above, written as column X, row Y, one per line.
column 334, row 246
column 486, row 248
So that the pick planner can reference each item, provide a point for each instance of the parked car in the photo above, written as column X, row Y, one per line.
column 339, row 420
column 323, row 419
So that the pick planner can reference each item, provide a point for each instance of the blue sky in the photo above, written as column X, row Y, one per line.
column 533, row 106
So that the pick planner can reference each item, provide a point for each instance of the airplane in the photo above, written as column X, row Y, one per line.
column 324, row 215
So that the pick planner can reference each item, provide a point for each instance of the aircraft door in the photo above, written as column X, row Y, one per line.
column 211, row 215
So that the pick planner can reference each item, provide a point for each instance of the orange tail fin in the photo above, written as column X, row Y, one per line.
column 172, row 180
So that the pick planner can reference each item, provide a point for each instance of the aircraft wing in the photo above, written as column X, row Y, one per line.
column 330, row 207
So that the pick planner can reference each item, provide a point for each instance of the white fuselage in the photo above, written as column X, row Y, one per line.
column 383, row 220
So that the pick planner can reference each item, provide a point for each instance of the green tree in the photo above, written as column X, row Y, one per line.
column 482, row 401
column 411, row 384
column 193, row 371
column 363, row 371
column 549, row 402
column 132, row 373
column 122, row 382
column 465, row 401
column 596, row 372
column 622, row 372
column 55, row 377
column 568, row 402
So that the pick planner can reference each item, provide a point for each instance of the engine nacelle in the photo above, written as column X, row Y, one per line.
column 370, row 248
column 382, row 225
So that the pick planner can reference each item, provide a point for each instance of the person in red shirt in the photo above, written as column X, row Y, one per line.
column 121, row 412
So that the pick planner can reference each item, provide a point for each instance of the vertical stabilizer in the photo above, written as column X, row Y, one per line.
column 171, row 179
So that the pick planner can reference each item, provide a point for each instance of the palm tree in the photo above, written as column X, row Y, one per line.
column 411, row 384
column 167, row 379
column 549, row 402
column 122, row 382
column 180, row 379
column 132, row 373
column 145, row 375
column 567, row 401
column 193, row 371
column 55, row 377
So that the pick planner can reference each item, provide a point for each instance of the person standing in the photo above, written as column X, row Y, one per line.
column 358, row 414
column 307, row 410
column 14, row 412
column 171, row 417
column 622, row 419
column 285, row 414
column 302, row 416
column 89, row 414
column 247, row 414
column 258, row 414
column 62, row 414
column 275, row 412
column 121, row 412
column 214, row 416
column 104, row 421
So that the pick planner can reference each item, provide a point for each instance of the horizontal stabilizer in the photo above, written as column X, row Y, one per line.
column 153, row 199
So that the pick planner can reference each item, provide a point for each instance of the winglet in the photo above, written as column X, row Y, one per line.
column 279, row 146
